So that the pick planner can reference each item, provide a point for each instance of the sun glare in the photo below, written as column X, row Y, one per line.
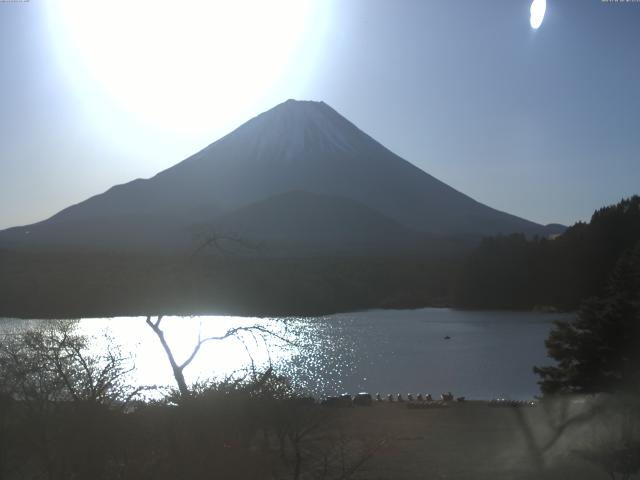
column 537, row 10
column 179, row 65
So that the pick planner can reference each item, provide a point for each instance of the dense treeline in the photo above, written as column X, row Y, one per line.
column 72, row 285
column 512, row 272
column 515, row 272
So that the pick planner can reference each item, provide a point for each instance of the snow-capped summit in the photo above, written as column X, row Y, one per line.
column 298, row 125
column 286, row 131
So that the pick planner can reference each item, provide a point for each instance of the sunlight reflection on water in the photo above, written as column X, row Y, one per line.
column 489, row 353
column 310, row 351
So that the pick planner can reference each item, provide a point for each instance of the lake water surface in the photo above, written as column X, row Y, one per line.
column 388, row 351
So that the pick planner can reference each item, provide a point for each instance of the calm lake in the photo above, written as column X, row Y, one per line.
column 387, row 351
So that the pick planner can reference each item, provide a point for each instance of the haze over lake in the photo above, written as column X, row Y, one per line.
column 488, row 354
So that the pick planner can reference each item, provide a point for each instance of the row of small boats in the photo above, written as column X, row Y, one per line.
column 415, row 401
column 444, row 397
column 365, row 399
column 503, row 402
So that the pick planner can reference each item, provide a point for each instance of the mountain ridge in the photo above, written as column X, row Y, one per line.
column 295, row 146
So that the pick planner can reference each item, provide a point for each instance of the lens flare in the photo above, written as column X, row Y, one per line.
column 179, row 65
column 538, row 9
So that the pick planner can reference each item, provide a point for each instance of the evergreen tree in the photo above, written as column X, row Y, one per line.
column 599, row 351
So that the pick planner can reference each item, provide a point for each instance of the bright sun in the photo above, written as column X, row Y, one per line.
column 538, row 9
column 175, row 64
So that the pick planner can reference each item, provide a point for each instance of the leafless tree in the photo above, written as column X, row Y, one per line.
column 178, row 368
column 60, row 399
column 220, row 243
column 53, row 363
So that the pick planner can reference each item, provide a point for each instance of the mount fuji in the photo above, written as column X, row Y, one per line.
column 299, row 177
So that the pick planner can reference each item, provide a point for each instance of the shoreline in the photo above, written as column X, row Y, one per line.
column 190, row 314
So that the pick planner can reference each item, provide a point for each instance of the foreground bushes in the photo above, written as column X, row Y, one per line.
column 67, row 414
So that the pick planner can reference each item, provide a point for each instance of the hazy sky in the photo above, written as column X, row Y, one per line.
column 544, row 124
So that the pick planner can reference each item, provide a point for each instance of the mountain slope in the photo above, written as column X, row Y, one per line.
column 305, row 222
column 296, row 146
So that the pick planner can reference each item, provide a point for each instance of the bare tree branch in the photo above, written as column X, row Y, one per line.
column 217, row 240
column 178, row 369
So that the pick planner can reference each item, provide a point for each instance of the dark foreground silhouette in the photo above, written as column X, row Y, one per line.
column 67, row 413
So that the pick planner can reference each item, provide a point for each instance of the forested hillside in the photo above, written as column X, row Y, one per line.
column 514, row 272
